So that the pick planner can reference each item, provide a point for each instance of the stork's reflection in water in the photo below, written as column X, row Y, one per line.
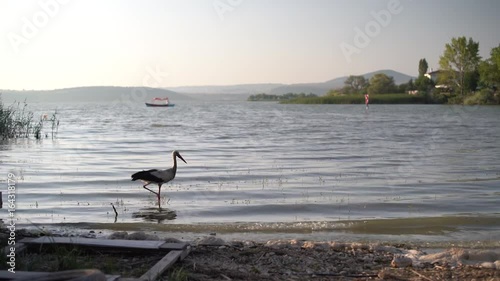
column 155, row 214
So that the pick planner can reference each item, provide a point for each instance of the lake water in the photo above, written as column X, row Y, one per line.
column 426, row 170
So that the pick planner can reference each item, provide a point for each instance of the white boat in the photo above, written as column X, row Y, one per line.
column 159, row 102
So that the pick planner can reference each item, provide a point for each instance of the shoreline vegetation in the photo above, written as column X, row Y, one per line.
column 359, row 99
column 344, row 99
column 16, row 121
column 463, row 78
column 482, row 97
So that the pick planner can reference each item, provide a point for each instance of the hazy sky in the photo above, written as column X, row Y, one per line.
column 49, row 44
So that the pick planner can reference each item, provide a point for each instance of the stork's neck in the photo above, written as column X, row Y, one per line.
column 175, row 163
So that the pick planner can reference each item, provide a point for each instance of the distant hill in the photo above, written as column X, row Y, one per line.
column 230, row 89
column 91, row 94
column 399, row 78
column 140, row 94
column 323, row 87
column 320, row 88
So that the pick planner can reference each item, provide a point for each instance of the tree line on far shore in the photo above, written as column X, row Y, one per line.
column 463, row 78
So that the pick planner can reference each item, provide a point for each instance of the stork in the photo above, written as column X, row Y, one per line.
column 158, row 176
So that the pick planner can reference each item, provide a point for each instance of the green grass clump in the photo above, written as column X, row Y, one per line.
column 178, row 274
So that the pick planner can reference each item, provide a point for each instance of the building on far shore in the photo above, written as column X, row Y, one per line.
column 434, row 76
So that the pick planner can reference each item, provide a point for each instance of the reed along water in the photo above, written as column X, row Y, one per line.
column 430, row 171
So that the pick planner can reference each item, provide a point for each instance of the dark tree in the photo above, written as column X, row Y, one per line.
column 422, row 67
column 381, row 84
column 354, row 84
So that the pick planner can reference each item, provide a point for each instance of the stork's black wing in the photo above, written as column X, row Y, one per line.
column 146, row 176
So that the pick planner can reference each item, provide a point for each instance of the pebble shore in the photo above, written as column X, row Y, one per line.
column 212, row 258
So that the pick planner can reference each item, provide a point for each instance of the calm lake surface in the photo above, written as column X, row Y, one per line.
column 426, row 170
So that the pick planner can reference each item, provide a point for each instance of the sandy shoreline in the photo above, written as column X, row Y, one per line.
column 213, row 258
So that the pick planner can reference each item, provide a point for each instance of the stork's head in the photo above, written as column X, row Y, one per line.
column 176, row 153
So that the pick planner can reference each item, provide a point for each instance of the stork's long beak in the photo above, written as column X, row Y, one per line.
column 179, row 155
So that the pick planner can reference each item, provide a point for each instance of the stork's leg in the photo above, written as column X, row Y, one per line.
column 150, row 189
column 159, row 190
column 157, row 193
